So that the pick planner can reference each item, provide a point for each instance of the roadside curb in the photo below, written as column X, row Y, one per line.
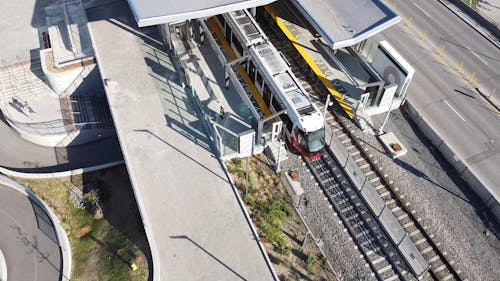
column 79, row 171
column 3, row 267
column 471, row 22
column 62, row 237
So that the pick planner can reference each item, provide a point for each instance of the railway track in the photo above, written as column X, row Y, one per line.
column 356, row 219
column 370, row 240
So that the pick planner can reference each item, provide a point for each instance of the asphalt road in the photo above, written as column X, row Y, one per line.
column 435, row 43
column 28, row 240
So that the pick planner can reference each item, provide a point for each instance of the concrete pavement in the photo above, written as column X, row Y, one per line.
column 21, row 155
column 195, row 226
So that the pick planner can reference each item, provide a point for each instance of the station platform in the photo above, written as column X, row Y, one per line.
column 328, row 67
column 224, row 111
column 196, row 227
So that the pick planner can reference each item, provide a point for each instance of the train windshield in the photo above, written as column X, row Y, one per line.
column 316, row 140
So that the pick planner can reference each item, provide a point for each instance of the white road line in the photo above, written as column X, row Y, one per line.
column 477, row 56
column 454, row 110
column 421, row 10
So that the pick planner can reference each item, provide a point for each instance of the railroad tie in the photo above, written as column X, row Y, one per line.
column 378, row 260
column 414, row 232
column 433, row 259
column 408, row 224
column 447, row 277
column 426, row 250
column 440, row 268
column 395, row 209
column 393, row 277
column 402, row 216
column 384, row 269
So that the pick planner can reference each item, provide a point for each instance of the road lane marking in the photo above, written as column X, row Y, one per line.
column 446, row 60
column 454, row 110
column 421, row 10
column 477, row 56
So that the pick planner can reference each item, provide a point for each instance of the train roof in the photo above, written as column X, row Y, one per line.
column 153, row 12
column 263, row 53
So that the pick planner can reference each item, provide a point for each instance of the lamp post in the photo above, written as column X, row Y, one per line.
column 381, row 129
column 327, row 104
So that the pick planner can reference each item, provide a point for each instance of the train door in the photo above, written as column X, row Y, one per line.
column 276, row 133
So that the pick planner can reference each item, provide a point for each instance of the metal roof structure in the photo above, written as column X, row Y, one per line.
column 344, row 23
column 153, row 12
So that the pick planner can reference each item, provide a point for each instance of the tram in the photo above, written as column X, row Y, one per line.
column 278, row 87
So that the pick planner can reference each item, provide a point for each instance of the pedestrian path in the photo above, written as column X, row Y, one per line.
column 196, row 227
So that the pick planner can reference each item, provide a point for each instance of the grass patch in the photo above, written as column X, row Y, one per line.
column 279, row 226
column 106, row 252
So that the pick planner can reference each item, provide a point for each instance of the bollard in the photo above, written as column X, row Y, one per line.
column 460, row 66
column 394, row 5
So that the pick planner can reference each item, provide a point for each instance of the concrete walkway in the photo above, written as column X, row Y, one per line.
column 195, row 226
column 21, row 155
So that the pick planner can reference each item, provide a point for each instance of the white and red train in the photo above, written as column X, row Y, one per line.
column 275, row 82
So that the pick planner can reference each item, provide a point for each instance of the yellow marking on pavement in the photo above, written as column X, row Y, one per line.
column 338, row 97
column 240, row 69
column 450, row 63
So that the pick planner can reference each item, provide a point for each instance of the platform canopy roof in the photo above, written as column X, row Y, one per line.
column 347, row 22
column 153, row 12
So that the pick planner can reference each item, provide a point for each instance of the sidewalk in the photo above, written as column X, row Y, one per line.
column 195, row 226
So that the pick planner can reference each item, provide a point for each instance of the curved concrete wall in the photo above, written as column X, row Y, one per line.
column 61, row 234
column 58, row 81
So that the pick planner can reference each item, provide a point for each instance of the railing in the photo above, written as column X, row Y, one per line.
column 76, row 82
column 51, row 127
column 207, row 122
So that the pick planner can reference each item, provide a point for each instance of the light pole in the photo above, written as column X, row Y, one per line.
column 327, row 104
column 381, row 129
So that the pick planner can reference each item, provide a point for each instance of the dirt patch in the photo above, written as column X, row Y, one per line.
column 111, row 247
column 278, row 224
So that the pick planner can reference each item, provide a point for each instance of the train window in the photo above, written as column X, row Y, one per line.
column 237, row 44
column 266, row 94
column 288, row 123
column 276, row 104
column 259, row 79
column 228, row 33
column 302, row 139
column 221, row 19
column 251, row 70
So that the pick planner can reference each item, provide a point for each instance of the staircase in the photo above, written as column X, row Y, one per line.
column 23, row 79
column 92, row 112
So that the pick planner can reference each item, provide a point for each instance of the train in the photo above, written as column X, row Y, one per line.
column 278, row 87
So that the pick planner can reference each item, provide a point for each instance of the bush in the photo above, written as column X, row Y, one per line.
column 310, row 263
column 277, row 212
